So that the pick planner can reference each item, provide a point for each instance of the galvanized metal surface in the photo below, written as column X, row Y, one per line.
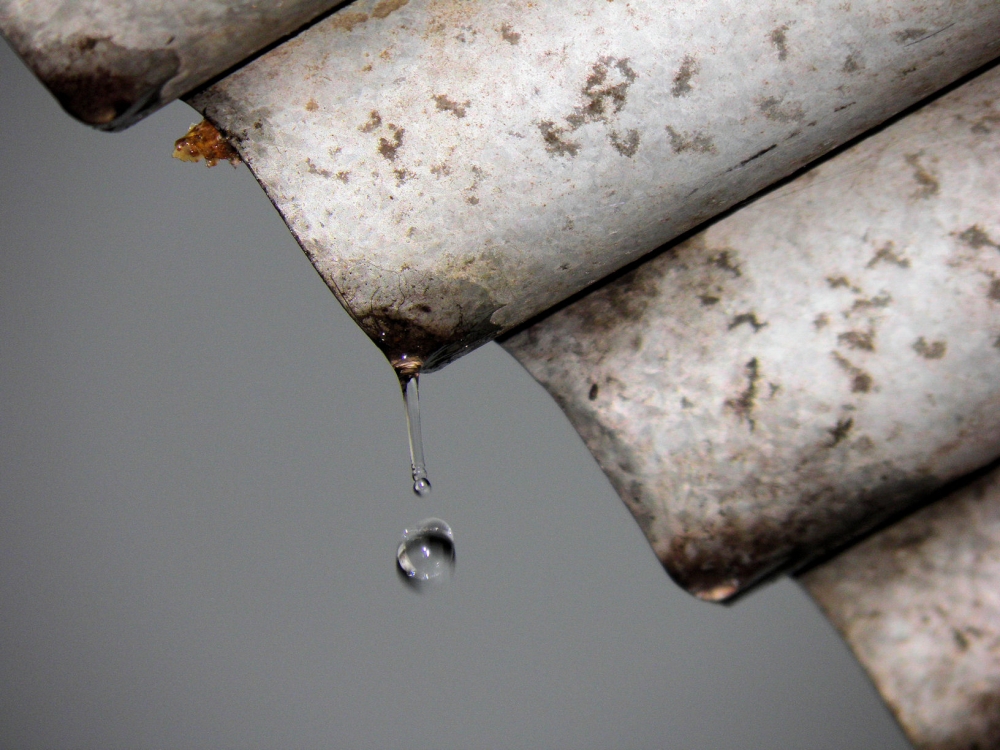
column 454, row 167
column 920, row 605
column 806, row 366
column 111, row 62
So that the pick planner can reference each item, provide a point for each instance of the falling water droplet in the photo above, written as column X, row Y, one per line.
column 411, row 398
column 427, row 553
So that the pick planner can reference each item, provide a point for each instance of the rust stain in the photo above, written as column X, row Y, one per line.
column 840, row 430
column 927, row 182
column 853, row 63
column 374, row 122
column 605, row 93
column 841, row 282
column 346, row 20
column 384, row 7
column 862, row 340
column 930, row 350
column 682, row 81
column 555, row 142
column 697, row 142
column 976, row 238
column 626, row 145
column 444, row 104
column 388, row 148
column 726, row 260
column 204, row 141
column 777, row 110
column 779, row 38
column 311, row 105
column 887, row 253
column 103, row 83
column 861, row 381
column 509, row 35
column 743, row 404
column 749, row 318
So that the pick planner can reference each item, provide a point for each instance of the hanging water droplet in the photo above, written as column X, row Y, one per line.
column 427, row 553
column 411, row 398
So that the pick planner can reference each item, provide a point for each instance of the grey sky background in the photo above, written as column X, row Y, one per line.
column 204, row 476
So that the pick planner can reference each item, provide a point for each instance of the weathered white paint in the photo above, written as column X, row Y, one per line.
column 458, row 166
column 806, row 366
column 920, row 605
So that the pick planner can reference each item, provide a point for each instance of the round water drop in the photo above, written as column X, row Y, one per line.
column 427, row 553
column 421, row 486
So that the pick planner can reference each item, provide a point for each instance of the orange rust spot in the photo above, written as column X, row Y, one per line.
column 204, row 141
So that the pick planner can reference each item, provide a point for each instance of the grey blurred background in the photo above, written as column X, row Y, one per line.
column 204, row 476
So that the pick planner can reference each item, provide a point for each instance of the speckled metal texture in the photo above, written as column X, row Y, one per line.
column 806, row 366
column 455, row 167
column 920, row 605
column 111, row 62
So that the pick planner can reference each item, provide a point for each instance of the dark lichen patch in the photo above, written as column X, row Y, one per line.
column 204, row 141
column 373, row 123
column 840, row 431
column 509, row 35
column 858, row 340
column 472, row 200
column 682, row 81
column 594, row 390
column 994, row 290
column 707, row 300
column 779, row 38
column 749, row 319
column 976, row 238
column 384, row 7
column 441, row 170
column 928, row 185
column 343, row 176
column 686, row 403
column 743, row 404
column 821, row 321
column 861, row 381
column 555, row 141
column 996, row 343
column 626, row 145
column 853, row 63
column 444, row 104
column 909, row 35
column 930, row 350
column 697, row 142
column 887, row 254
column 388, row 148
column 725, row 260
column 777, row 110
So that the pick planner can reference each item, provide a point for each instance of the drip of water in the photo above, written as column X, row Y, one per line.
column 411, row 398
column 426, row 553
